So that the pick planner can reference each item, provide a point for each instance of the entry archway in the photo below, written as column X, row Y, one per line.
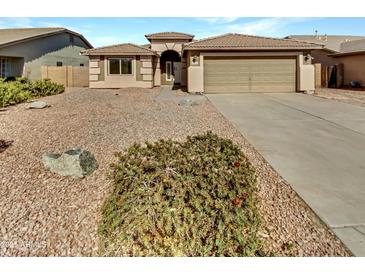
column 170, row 64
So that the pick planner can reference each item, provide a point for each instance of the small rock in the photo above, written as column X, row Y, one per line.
column 262, row 234
column 38, row 105
column 75, row 163
column 187, row 103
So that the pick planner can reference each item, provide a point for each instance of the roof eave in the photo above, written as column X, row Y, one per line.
column 81, row 37
column 330, row 50
column 169, row 38
column 118, row 53
column 31, row 38
column 46, row 35
column 342, row 54
column 250, row 48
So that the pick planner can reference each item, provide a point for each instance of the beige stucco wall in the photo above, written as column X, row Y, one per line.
column 157, row 71
column 306, row 75
column 100, row 78
column 354, row 68
column 183, row 71
column 195, row 73
column 162, row 45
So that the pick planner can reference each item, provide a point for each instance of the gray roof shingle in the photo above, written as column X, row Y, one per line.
column 18, row 35
column 355, row 45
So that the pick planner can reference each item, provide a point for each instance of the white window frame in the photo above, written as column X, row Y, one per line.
column 167, row 74
column 5, row 70
column 120, row 66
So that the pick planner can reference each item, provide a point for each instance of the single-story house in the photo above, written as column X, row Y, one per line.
column 331, row 44
column 352, row 57
column 342, row 55
column 225, row 63
column 23, row 51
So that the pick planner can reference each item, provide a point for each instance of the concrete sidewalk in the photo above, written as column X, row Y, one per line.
column 317, row 145
column 167, row 93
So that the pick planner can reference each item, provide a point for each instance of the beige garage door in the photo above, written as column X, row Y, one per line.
column 226, row 75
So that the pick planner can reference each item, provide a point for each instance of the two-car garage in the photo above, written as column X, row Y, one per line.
column 244, row 63
column 249, row 74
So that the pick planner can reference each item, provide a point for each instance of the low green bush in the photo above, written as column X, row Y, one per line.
column 192, row 198
column 45, row 88
column 22, row 90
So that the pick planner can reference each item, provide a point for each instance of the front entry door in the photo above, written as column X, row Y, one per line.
column 177, row 72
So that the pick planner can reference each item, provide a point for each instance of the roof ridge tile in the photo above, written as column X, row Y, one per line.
column 136, row 47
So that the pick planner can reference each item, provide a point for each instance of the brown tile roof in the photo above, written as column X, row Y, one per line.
column 9, row 37
column 120, row 49
column 235, row 41
column 169, row 35
column 147, row 46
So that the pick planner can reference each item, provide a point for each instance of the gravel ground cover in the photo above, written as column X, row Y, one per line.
column 44, row 214
column 354, row 97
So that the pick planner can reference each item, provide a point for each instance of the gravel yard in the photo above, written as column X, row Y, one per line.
column 43, row 214
column 354, row 97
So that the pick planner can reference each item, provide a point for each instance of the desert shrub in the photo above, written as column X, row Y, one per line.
column 13, row 92
column 22, row 89
column 45, row 88
column 192, row 198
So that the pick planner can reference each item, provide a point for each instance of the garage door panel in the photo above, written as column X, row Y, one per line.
column 229, row 79
column 228, row 89
column 249, row 75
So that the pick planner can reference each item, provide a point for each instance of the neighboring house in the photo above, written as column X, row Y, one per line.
column 352, row 56
column 346, row 50
column 331, row 44
column 225, row 63
column 24, row 51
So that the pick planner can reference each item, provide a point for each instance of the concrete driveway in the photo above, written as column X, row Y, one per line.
column 317, row 145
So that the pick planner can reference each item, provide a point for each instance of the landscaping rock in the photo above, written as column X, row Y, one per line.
column 4, row 145
column 187, row 103
column 38, row 105
column 75, row 163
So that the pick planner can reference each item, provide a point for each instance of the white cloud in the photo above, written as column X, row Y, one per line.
column 264, row 26
column 218, row 20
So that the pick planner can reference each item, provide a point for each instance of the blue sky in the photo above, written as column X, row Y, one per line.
column 109, row 30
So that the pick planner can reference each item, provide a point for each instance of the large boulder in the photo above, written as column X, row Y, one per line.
column 75, row 163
